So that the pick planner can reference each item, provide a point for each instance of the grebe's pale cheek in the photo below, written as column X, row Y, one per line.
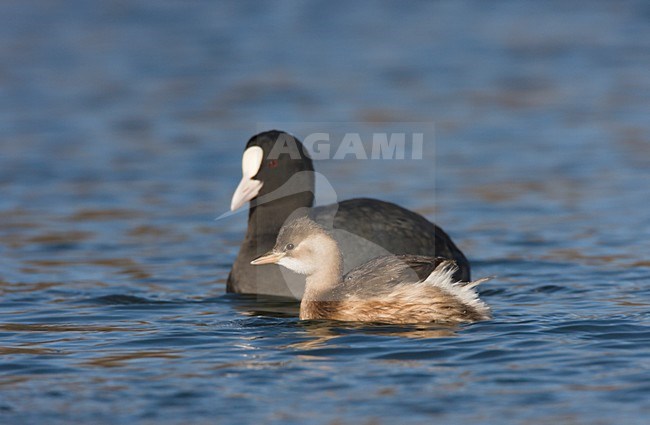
column 296, row 265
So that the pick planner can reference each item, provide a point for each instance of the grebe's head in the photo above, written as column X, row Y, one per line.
column 303, row 247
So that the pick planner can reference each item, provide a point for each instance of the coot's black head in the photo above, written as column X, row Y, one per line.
column 270, row 160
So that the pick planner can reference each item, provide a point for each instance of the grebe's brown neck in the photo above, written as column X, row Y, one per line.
column 323, row 279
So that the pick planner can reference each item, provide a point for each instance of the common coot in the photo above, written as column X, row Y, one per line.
column 278, row 180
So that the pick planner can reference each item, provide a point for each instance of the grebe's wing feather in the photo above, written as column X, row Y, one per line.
column 473, row 284
column 380, row 275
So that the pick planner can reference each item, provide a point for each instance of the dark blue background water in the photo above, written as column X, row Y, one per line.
column 122, row 126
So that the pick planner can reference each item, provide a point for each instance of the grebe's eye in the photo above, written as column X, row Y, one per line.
column 272, row 163
column 289, row 247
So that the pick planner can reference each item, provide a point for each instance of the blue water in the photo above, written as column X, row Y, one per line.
column 121, row 129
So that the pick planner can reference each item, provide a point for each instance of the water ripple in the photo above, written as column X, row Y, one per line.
column 123, row 126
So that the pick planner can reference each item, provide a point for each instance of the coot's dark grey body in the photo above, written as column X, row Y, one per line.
column 388, row 227
column 363, row 228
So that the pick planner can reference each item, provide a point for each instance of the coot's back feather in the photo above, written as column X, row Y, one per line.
column 387, row 225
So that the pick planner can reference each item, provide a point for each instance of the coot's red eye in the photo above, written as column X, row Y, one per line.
column 273, row 163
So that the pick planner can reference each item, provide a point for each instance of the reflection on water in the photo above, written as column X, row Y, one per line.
column 320, row 334
column 122, row 129
column 117, row 360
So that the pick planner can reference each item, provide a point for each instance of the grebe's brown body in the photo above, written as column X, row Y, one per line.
column 390, row 289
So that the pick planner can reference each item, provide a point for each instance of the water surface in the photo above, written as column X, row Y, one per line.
column 122, row 129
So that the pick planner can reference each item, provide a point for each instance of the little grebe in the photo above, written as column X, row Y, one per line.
column 389, row 289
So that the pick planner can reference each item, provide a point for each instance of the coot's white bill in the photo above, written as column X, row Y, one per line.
column 248, row 187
